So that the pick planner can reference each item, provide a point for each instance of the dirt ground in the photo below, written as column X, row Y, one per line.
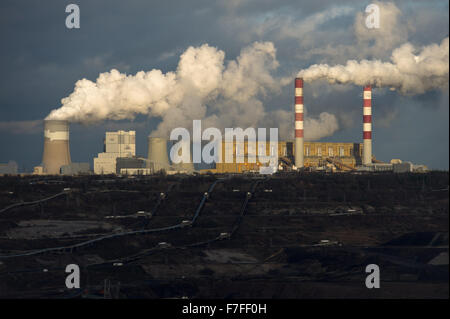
column 303, row 235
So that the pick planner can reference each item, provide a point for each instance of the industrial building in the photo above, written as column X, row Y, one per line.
column 316, row 154
column 76, row 169
column 341, row 156
column 133, row 166
column 119, row 154
column 116, row 145
column 300, row 154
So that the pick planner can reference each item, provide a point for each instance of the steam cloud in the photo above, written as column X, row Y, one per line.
column 409, row 73
column 202, row 87
column 325, row 124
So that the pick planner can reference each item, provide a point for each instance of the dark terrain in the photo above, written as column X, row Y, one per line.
column 286, row 236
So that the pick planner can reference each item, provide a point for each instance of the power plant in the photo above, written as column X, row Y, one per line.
column 320, row 155
column 101, row 220
column 56, row 146
column 116, row 145
column 243, row 153
column 119, row 151
column 157, row 153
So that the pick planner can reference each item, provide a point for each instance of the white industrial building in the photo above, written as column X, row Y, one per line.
column 116, row 145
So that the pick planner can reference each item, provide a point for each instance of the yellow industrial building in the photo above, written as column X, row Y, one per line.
column 344, row 155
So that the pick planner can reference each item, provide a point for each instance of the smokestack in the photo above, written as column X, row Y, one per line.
column 56, row 146
column 299, row 122
column 367, row 125
column 157, row 153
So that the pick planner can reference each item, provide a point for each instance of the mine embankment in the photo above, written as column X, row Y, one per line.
column 285, row 236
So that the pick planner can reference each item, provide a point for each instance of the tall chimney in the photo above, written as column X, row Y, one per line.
column 299, row 122
column 56, row 146
column 157, row 153
column 367, row 125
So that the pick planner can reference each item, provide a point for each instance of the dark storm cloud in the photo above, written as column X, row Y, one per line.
column 41, row 59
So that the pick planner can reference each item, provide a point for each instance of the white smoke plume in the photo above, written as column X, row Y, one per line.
column 177, row 97
column 408, row 72
column 325, row 124
column 204, row 86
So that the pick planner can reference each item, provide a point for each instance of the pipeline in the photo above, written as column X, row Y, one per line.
column 235, row 227
column 162, row 197
column 33, row 202
column 244, row 207
column 138, row 256
column 204, row 198
column 91, row 242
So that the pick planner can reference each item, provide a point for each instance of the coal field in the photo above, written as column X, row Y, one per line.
column 302, row 235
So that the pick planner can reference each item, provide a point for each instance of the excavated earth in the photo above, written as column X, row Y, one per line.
column 302, row 235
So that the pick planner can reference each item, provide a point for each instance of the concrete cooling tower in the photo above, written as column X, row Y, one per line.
column 56, row 146
column 157, row 153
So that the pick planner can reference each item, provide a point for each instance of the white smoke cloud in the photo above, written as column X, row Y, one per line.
column 316, row 128
column 117, row 96
column 407, row 72
column 324, row 125
column 203, row 87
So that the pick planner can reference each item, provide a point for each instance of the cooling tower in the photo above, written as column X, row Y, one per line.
column 367, row 125
column 188, row 167
column 157, row 153
column 299, row 122
column 56, row 146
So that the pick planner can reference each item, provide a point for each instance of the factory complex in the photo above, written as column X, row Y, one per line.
column 119, row 152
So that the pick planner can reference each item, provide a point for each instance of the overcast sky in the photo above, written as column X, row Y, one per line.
column 41, row 60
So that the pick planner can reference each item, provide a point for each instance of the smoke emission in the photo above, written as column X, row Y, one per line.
column 204, row 86
column 325, row 124
column 408, row 72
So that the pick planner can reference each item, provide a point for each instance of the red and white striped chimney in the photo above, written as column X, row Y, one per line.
column 299, row 122
column 367, row 125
